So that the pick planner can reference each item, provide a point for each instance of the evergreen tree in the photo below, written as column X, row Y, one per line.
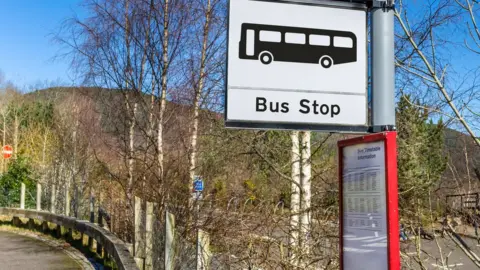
column 421, row 158
column 19, row 171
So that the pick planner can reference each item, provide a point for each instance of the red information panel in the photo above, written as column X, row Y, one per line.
column 369, row 229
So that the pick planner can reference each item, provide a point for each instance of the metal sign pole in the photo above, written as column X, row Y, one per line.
column 383, row 66
column 383, row 110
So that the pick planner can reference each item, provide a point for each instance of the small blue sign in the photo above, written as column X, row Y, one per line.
column 198, row 185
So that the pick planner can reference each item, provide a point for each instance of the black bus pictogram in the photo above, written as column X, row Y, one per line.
column 269, row 43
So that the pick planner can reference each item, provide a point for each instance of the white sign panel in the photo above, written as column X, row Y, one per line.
column 296, row 64
column 364, row 207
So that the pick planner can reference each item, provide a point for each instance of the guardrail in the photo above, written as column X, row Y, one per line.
column 112, row 245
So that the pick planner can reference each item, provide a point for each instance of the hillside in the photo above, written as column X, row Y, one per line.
column 106, row 105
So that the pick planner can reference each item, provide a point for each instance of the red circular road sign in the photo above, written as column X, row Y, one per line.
column 7, row 151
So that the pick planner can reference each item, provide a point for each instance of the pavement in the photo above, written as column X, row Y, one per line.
column 432, row 252
column 22, row 252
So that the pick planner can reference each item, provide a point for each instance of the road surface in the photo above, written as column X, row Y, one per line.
column 455, row 258
column 22, row 252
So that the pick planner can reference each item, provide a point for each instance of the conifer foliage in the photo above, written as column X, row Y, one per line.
column 421, row 156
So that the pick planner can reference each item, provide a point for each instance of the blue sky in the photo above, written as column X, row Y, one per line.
column 27, row 49
column 26, row 46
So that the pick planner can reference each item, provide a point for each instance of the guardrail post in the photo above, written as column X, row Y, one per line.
column 69, row 236
column 45, row 227
column 31, row 224
column 149, row 237
column 22, row 196
column 58, row 231
column 39, row 197
column 16, row 221
column 203, row 250
column 139, row 247
column 169, row 241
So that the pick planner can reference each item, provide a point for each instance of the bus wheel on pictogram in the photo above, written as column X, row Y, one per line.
column 326, row 61
column 266, row 58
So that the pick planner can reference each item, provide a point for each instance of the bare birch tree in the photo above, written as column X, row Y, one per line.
column 306, row 192
column 295, row 199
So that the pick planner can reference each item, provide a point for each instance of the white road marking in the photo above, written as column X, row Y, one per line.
column 359, row 238
column 376, row 239
column 348, row 249
column 375, row 245
column 447, row 267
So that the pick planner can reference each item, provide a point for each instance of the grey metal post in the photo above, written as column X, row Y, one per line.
column 139, row 246
column 53, row 198
column 383, row 66
column 169, row 241
column 22, row 196
column 39, row 196
column 149, row 236
column 203, row 250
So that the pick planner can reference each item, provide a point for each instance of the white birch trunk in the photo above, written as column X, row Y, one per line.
column 294, row 198
column 306, row 193
column 74, row 165
column 140, row 89
column 163, row 94
column 42, row 181
column 131, row 112
column 196, row 101
column 131, row 152
column 67, row 190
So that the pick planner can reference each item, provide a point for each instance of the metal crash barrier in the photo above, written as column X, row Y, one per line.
column 112, row 245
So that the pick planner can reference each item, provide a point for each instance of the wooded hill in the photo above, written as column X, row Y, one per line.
column 75, row 143
column 234, row 163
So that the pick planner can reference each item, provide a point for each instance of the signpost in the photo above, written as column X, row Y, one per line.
column 297, row 66
column 302, row 65
column 369, row 202
column 7, row 151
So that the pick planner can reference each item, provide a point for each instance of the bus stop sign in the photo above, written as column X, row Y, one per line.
column 297, row 66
